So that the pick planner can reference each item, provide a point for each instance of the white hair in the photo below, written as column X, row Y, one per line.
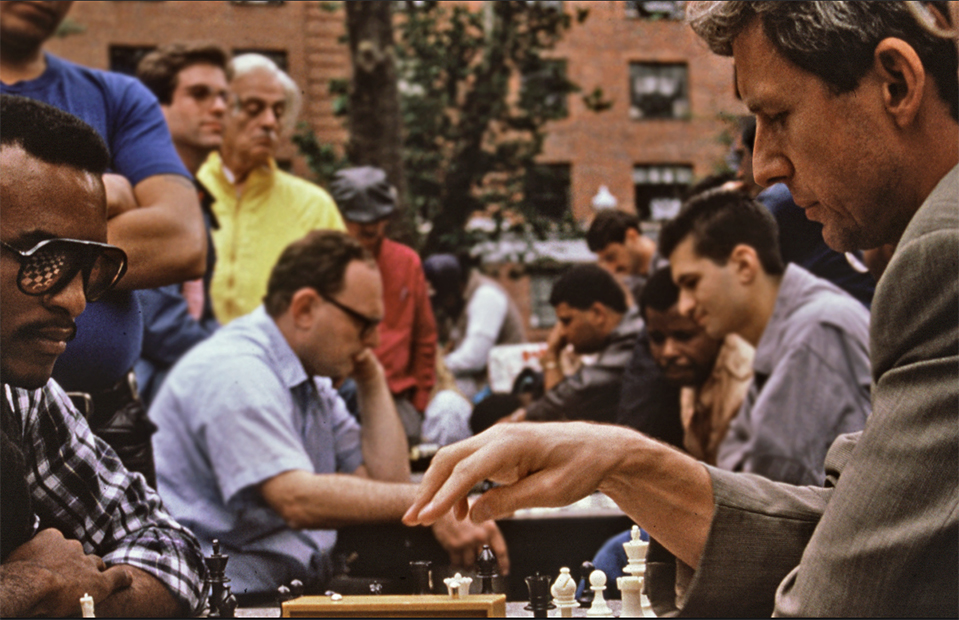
column 249, row 63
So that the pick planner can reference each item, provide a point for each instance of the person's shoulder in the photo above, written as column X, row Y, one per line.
column 394, row 250
column 112, row 84
column 301, row 185
column 938, row 215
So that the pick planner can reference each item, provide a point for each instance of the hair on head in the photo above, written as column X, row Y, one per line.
column 250, row 63
column 659, row 293
column 583, row 285
column 835, row 41
column 718, row 221
column 317, row 261
column 610, row 226
column 51, row 135
column 159, row 69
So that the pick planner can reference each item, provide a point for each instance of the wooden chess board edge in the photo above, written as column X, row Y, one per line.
column 397, row 606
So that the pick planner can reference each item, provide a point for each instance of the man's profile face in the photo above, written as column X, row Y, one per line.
column 680, row 347
column 41, row 201
column 369, row 234
column 196, row 109
column 614, row 258
column 708, row 293
column 580, row 328
column 26, row 25
column 836, row 153
column 255, row 116
column 336, row 338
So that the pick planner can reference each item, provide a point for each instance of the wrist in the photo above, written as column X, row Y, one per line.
column 549, row 362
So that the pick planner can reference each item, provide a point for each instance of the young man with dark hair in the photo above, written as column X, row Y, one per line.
column 592, row 316
column 255, row 447
column 189, row 81
column 75, row 521
column 153, row 215
column 856, row 111
column 811, row 368
column 622, row 249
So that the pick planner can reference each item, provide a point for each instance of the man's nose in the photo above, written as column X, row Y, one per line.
column 686, row 303
column 770, row 164
column 71, row 298
column 218, row 106
column 670, row 349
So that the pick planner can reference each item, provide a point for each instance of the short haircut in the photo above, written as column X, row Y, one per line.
column 707, row 183
column 659, row 293
column 250, row 63
column 610, row 226
column 583, row 285
column 834, row 41
column 51, row 135
column 317, row 261
column 718, row 221
column 159, row 69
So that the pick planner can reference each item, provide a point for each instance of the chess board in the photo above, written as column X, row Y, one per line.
column 397, row 606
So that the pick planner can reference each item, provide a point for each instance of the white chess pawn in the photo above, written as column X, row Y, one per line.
column 564, row 593
column 458, row 585
column 86, row 606
column 599, row 608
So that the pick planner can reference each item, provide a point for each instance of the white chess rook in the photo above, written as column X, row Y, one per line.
column 458, row 585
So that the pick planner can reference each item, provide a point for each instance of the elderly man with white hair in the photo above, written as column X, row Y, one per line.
column 260, row 208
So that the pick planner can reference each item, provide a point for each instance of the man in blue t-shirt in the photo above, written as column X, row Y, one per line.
column 153, row 208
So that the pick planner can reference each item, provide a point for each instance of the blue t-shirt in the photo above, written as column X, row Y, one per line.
column 128, row 118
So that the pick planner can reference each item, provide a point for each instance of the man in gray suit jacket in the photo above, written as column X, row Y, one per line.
column 856, row 107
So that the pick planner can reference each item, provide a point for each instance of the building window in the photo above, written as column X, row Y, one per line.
column 542, row 315
column 658, row 90
column 277, row 56
column 655, row 10
column 544, row 89
column 547, row 190
column 125, row 58
column 659, row 190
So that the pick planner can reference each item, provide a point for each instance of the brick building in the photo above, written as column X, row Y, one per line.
column 667, row 127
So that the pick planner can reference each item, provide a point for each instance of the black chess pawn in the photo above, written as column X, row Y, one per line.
column 486, row 569
column 422, row 576
column 586, row 598
column 539, row 598
column 222, row 602
column 283, row 595
column 296, row 588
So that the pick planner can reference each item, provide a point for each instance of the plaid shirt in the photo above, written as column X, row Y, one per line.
column 79, row 487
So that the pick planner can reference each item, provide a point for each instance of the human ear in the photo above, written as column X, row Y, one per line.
column 303, row 307
column 745, row 263
column 903, row 79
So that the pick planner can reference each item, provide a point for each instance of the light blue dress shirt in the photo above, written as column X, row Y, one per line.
column 237, row 410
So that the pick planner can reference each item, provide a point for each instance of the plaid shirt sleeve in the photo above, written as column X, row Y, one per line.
column 80, row 487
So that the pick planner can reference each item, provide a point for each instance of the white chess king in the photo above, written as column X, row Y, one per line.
column 635, row 603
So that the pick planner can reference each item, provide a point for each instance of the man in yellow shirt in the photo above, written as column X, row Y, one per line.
column 260, row 208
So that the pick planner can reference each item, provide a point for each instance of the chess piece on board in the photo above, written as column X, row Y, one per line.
column 422, row 577
column 586, row 597
column 86, row 606
column 539, row 602
column 564, row 593
column 222, row 602
column 599, row 608
column 458, row 585
column 486, row 569
column 635, row 603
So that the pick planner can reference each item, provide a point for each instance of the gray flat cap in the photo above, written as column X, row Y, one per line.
column 363, row 194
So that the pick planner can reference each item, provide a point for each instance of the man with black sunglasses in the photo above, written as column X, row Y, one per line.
column 75, row 520
column 256, row 448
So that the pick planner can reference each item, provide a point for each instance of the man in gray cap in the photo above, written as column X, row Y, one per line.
column 407, row 348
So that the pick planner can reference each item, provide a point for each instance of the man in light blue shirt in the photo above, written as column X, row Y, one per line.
column 255, row 447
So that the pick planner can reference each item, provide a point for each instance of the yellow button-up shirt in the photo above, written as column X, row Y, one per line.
column 274, row 209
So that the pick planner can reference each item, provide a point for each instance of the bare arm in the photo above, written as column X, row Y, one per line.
column 146, row 597
column 164, row 237
column 667, row 493
column 549, row 360
column 383, row 441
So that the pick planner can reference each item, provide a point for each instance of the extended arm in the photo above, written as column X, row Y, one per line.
column 486, row 311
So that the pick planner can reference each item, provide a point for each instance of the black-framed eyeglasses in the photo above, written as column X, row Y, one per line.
column 49, row 266
column 367, row 324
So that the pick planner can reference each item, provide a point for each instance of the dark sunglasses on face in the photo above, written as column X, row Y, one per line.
column 48, row 267
column 367, row 325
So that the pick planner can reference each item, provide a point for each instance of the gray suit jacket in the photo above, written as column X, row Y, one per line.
column 881, row 538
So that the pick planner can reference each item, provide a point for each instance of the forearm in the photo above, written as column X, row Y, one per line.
column 666, row 492
column 327, row 501
column 23, row 585
column 383, row 440
column 552, row 373
column 164, row 238
column 146, row 597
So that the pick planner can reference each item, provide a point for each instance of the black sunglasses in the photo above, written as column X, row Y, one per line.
column 49, row 266
column 367, row 325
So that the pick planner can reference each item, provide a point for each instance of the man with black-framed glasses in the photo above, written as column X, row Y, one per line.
column 257, row 449
column 75, row 520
